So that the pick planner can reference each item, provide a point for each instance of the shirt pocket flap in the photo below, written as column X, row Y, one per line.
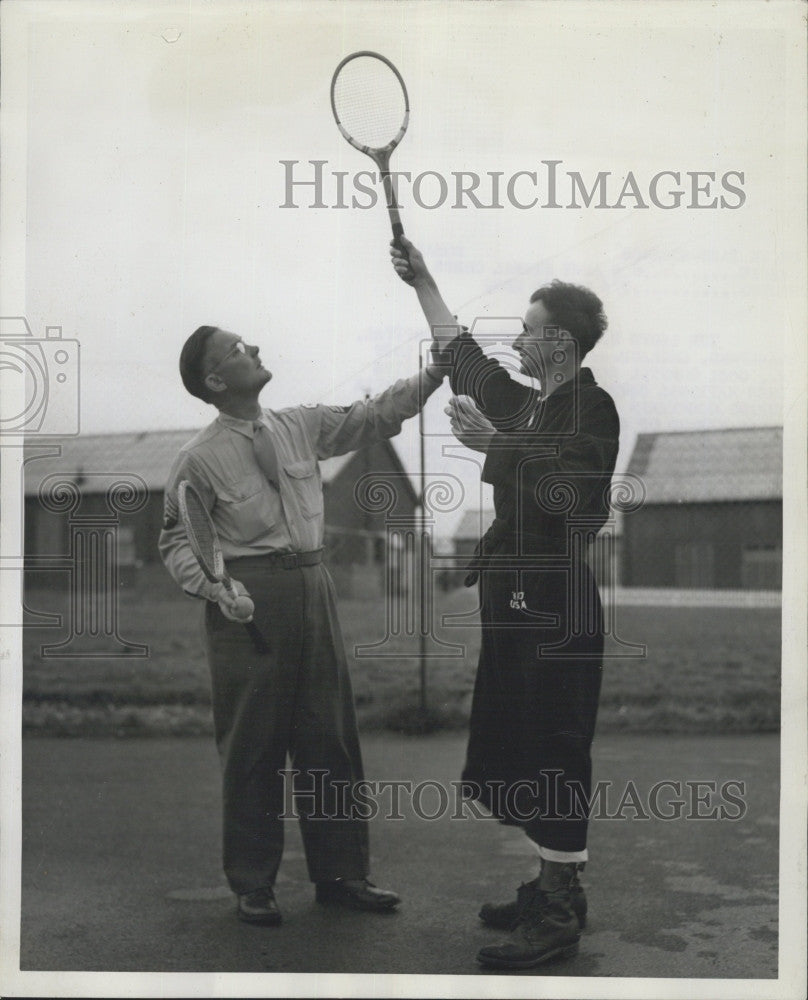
column 305, row 482
column 244, row 510
column 301, row 470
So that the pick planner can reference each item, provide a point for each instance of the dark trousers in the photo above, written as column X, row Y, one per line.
column 295, row 700
column 535, row 702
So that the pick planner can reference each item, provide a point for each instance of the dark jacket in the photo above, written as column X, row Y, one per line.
column 538, row 679
column 550, row 462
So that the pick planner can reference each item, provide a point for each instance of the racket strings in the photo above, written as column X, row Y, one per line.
column 369, row 101
column 201, row 532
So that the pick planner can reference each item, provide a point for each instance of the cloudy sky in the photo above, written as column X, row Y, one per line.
column 154, row 136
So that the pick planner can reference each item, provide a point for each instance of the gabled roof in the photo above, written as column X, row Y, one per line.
column 744, row 463
column 474, row 523
column 148, row 454
column 331, row 468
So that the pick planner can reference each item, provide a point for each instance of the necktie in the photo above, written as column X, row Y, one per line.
column 265, row 453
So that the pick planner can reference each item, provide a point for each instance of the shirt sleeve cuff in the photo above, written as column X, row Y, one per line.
column 191, row 593
column 446, row 358
column 204, row 592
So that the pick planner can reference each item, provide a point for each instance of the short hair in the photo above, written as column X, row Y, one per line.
column 574, row 309
column 192, row 363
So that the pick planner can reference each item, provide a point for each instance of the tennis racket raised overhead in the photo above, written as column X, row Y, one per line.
column 204, row 542
column 372, row 110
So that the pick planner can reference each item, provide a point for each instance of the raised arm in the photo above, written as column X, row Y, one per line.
column 501, row 399
column 335, row 430
column 413, row 271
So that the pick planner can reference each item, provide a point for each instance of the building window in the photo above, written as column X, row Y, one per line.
column 694, row 564
column 761, row 567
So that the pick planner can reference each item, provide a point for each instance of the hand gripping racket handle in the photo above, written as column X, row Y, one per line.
column 259, row 642
column 395, row 220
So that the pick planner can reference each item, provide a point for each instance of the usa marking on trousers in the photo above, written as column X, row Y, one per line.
column 518, row 600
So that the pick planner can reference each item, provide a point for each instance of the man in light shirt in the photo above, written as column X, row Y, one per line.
column 257, row 473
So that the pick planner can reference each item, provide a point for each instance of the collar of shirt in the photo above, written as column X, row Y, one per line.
column 583, row 376
column 245, row 427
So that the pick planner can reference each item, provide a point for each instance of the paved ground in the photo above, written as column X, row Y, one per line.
column 121, row 849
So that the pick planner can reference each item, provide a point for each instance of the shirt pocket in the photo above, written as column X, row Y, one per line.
column 304, row 478
column 244, row 510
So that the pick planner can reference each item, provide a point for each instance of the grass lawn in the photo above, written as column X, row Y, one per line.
column 705, row 670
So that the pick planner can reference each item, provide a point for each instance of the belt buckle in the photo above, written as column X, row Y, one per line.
column 289, row 560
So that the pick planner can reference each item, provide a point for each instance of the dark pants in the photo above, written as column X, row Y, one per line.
column 295, row 700
column 535, row 702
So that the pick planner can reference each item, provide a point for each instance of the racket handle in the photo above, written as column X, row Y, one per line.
column 259, row 641
column 392, row 208
column 398, row 232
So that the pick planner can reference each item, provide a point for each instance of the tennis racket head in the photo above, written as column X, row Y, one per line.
column 370, row 102
column 201, row 532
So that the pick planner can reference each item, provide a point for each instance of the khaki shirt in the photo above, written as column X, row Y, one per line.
column 251, row 516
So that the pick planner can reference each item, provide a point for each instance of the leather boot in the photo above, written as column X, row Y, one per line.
column 505, row 916
column 548, row 927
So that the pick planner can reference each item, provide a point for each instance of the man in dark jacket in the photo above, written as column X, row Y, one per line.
column 549, row 456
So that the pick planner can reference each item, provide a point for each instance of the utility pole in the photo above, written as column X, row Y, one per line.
column 421, row 563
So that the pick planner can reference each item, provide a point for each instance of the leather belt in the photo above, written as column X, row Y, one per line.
column 284, row 560
column 294, row 560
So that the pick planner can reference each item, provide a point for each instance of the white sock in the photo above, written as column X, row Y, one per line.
column 565, row 857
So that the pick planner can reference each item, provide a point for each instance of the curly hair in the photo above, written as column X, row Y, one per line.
column 575, row 309
column 192, row 359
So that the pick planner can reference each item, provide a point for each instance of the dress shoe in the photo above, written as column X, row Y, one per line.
column 505, row 916
column 357, row 894
column 548, row 927
column 259, row 907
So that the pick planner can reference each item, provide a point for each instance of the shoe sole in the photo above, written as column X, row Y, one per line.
column 568, row 951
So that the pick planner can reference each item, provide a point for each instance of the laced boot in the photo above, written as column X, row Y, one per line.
column 505, row 916
column 548, row 927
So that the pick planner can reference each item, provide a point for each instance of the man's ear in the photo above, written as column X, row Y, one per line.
column 215, row 383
